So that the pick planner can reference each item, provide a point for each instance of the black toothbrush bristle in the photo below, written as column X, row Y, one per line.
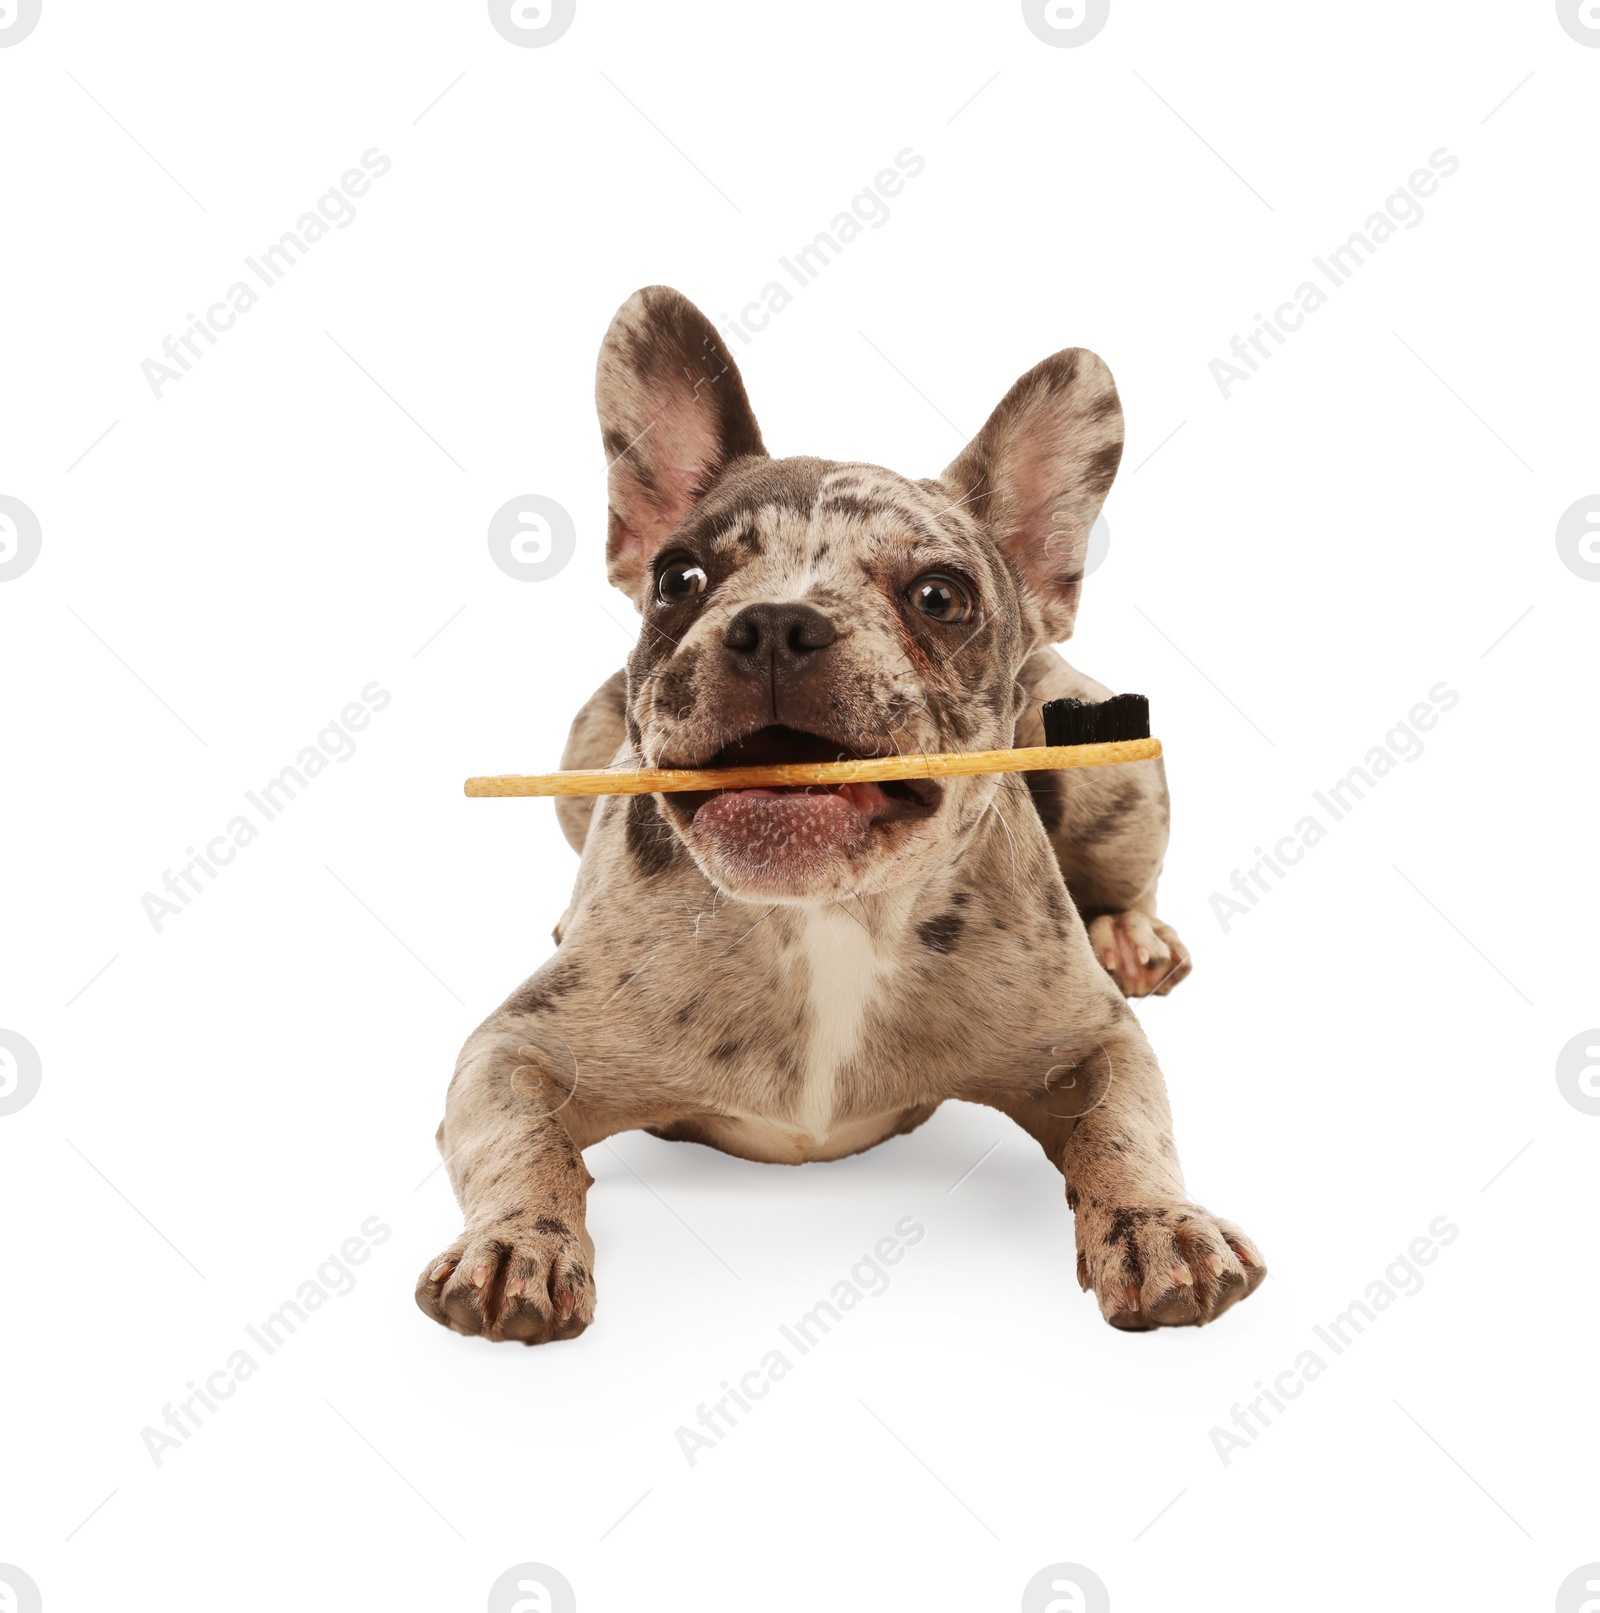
column 1096, row 722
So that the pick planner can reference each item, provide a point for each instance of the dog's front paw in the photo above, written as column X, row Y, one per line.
column 527, row 1279
column 1140, row 953
column 1168, row 1265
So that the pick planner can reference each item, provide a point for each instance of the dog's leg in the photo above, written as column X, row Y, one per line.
column 517, row 1118
column 593, row 741
column 1153, row 1258
column 522, row 1267
column 1108, row 827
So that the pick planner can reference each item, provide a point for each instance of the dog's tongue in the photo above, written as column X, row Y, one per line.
column 779, row 822
column 780, row 829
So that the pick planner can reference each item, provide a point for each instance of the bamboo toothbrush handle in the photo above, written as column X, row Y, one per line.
column 874, row 770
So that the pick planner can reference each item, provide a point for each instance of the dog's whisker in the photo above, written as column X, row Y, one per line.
column 843, row 909
column 628, row 981
column 757, row 925
column 967, row 500
column 991, row 807
column 974, row 633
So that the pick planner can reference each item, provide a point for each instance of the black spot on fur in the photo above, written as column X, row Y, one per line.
column 553, row 1228
column 546, row 988
column 884, row 511
column 1125, row 1224
column 675, row 688
column 733, row 506
column 941, row 934
column 1124, row 1231
column 674, row 339
column 1045, row 790
column 728, row 1049
column 850, row 507
column 652, row 843
column 1101, row 471
column 1112, row 817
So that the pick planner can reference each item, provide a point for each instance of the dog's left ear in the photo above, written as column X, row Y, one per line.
column 1037, row 474
column 673, row 416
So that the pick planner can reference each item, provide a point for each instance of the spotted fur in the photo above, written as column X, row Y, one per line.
column 810, row 999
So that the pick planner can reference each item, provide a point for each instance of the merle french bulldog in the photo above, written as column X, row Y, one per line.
column 799, row 974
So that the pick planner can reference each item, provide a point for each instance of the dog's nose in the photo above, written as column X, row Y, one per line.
column 785, row 637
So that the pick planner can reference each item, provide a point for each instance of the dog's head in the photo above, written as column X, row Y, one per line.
column 806, row 610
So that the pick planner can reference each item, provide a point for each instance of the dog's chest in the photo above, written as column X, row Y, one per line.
column 840, row 980
column 846, row 973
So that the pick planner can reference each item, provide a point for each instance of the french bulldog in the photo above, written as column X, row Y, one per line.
column 799, row 974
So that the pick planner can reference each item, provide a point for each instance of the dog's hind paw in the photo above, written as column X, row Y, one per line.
column 1143, row 955
column 528, row 1278
column 1168, row 1265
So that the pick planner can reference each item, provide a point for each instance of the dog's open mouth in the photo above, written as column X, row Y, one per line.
column 823, row 810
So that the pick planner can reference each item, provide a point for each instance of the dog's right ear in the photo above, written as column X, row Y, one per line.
column 673, row 415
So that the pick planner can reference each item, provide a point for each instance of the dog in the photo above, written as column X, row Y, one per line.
column 801, row 974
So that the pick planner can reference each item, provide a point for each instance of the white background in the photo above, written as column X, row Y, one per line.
column 227, row 567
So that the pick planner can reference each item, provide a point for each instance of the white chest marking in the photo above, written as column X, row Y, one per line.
column 846, row 973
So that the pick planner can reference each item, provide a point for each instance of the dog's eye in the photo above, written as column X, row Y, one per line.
column 941, row 597
column 681, row 580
